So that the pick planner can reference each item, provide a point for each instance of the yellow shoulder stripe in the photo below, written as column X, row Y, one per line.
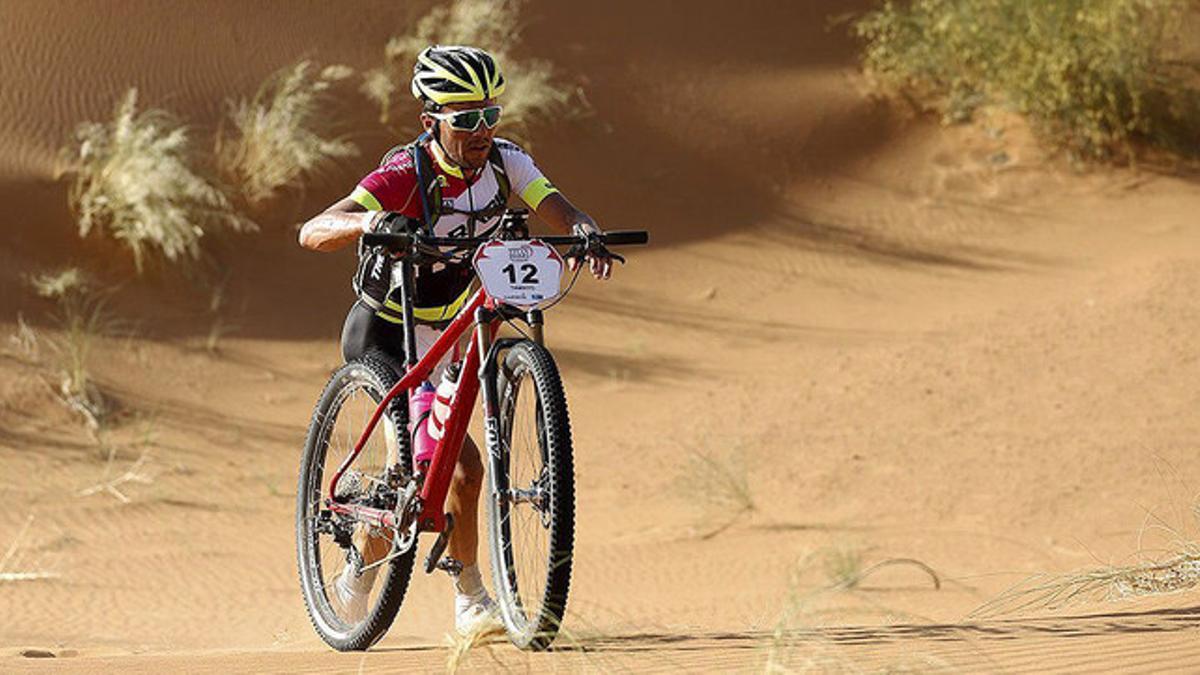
column 537, row 190
column 366, row 199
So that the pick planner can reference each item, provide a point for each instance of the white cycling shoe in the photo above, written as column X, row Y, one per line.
column 353, row 591
column 476, row 614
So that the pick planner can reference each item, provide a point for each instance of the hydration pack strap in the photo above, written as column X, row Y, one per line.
column 430, row 189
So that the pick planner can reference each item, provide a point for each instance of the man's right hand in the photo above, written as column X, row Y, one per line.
column 391, row 222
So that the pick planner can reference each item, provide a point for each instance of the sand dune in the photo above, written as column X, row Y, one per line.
column 919, row 342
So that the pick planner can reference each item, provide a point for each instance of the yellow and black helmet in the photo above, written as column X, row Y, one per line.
column 453, row 74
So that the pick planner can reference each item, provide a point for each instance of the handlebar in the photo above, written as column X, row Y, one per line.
column 398, row 242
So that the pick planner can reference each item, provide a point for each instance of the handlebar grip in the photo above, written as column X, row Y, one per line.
column 390, row 240
column 626, row 237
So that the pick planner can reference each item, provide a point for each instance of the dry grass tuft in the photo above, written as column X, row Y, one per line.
column 280, row 136
column 112, row 485
column 798, row 643
column 534, row 90
column 8, row 563
column 60, row 284
column 135, row 178
column 845, row 567
column 82, row 318
column 24, row 342
column 719, row 486
column 380, row 86
column 1172, row 568
column 1180, row 572
column 461, row 647
column 219, row 326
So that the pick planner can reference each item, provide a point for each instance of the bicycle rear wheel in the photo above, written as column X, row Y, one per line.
column 531, row 506
column 350, row 601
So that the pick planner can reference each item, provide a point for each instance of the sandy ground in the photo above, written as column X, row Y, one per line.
column 916, row 343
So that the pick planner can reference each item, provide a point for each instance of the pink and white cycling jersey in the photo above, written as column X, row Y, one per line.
column 393, row 187
column 442, row 289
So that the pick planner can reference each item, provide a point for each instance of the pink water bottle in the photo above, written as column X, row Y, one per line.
column 420, row 404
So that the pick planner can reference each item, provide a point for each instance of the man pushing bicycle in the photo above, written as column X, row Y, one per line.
column 452, row 181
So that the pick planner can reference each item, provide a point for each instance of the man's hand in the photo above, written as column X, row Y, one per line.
column 562, row 216
column 391, row 222
column 601, row 265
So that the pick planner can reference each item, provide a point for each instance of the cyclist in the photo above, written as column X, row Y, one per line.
column 455, row 180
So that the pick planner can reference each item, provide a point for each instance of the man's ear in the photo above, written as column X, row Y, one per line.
column 427, row 122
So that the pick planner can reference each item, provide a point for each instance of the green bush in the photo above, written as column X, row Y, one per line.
column 1092, row 76
column 135, row 177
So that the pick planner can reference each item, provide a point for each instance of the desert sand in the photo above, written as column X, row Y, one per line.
column 939, row 344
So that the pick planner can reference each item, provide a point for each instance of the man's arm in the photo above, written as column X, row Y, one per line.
column 562, row 216
column 336, row 227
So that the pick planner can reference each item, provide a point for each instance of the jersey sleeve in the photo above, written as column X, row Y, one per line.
column 391, row 187
column 524, row 176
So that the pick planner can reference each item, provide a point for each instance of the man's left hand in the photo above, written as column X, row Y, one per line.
column 601, row 266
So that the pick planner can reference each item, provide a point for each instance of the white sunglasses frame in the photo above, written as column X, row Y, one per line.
column 445, row 117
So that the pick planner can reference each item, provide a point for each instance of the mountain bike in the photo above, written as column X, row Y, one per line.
column 361, row 503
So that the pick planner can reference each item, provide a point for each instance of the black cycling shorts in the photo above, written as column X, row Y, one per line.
column 364, row 332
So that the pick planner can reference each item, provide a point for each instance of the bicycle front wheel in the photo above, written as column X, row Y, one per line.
column 531, row 506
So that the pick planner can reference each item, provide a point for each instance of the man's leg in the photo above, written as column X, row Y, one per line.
column 463, row 502
column 353, row 585
column 474, row 610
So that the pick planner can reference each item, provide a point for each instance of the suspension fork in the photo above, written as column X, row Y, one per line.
column 489, row 373
column 491, row 409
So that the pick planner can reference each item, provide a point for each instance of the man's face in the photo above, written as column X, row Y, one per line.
column 467, row 149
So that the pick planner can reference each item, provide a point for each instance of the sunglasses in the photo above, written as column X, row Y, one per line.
column 469, row 120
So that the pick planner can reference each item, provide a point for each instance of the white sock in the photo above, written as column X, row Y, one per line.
column 468, row 581
column 359, row 583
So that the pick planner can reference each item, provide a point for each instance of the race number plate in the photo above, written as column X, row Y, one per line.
column 522, row 273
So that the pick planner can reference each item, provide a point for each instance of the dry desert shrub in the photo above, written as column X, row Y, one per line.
column 23, row 343
column 574, row 651
column 281, row 135
column 718, row 485
column 534, row 90
column 13, row 568
column 1171, row 568
column 1093, row 76
column 1173, row 574
column 845, row 566
column 134, row 177
column 114, row 485
column 799, row 644
column 459, row 649
column 81, row 317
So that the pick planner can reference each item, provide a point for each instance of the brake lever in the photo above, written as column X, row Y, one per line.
column 593, row 249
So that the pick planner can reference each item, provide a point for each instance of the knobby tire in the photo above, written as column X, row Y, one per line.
column 532, row 623
column 372, row 375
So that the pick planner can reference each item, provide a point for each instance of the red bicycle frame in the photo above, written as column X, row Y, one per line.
column 437, row 481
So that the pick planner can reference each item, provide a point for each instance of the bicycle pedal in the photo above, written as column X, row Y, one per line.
column 450, row 566
column 439, row 546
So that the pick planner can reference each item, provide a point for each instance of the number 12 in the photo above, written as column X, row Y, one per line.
column 529, row 270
